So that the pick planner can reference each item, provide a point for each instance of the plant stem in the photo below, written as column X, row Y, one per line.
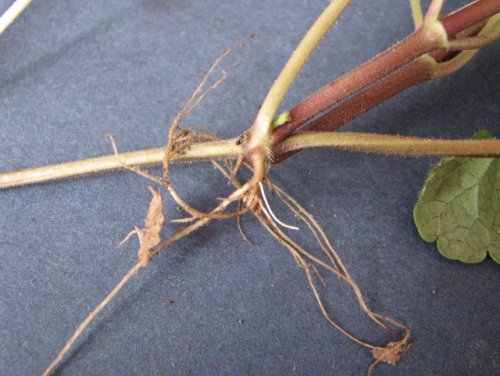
column 12, row 13
column 469, row 15
column 261, row 130
column 79, row 168
column 489, row 33
column 419, row 70
column 354, row 81
column 352, row 141
column 388, row 144
column 203, row 151
column 416, row 12
column 395, row 57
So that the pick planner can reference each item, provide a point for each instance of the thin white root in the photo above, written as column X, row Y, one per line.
column 271, row 211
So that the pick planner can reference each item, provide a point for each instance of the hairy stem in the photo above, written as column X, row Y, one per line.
column 415, row 45
column 418, row 71
column 469, row 15
column 426, row 67
column 388, row 144
column 354, row 81
column 261, row 130
column 488, row 34
column 203, row 151
column 352, row 141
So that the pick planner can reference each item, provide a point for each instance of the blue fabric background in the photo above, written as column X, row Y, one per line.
column 73, row 71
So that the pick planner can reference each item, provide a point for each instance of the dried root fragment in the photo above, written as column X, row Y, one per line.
column 391, row 353
column 150, row 235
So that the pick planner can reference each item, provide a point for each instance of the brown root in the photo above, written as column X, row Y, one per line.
column 249, row 195
column 389, row 353
column 182, row 138
column 92, row 315
column 240, row 227
column 151, row 220
column 392, row 351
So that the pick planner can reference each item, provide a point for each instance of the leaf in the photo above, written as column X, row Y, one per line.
column 281, row 119
column 459, row 208
column 150, row 235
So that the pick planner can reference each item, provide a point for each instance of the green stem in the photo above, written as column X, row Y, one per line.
column 261, row 130
column 197, row 152
column 352, row 141
column 388, row 144
column 419, row 70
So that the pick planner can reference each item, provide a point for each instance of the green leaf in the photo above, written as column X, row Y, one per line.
column 281, row 119
column 459, row 208
column 482, row 134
